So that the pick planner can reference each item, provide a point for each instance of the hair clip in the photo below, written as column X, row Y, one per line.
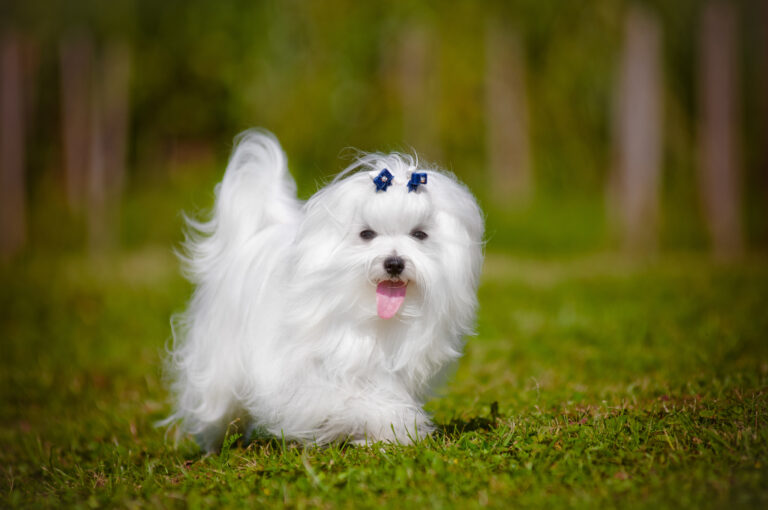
column 383, row 180
column 417, row 179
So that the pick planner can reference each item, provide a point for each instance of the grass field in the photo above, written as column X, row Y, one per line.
column 594, row 382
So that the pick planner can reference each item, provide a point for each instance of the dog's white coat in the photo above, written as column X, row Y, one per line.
column 282, row 330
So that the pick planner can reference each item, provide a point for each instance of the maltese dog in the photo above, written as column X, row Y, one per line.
column 326, row 320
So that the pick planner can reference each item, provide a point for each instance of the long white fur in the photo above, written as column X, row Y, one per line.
column 282, row 330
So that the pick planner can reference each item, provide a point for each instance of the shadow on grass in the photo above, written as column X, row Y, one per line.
column 261, row 441
column 457, row 426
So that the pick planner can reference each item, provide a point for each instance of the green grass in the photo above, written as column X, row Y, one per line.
column 617, row 383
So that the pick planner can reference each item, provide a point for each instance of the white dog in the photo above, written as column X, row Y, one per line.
column 327, row 320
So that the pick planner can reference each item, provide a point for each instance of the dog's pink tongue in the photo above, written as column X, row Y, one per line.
column 389, row 296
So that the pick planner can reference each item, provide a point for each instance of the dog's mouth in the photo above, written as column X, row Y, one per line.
column 390, row 295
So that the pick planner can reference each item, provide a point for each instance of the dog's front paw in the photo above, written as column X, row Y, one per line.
column 420, row 427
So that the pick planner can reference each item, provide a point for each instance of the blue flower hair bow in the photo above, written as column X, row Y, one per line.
column 417, row 179
column 383, row 180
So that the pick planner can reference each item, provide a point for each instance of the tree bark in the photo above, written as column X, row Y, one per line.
column 719, row 175
column 507, row 116
column 13, row 223
column 638, row 132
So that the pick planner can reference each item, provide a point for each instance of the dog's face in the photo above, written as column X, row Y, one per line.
column 397, row 243
column 395, row 253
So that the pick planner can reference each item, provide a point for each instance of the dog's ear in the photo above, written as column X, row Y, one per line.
column 454, row 198
column 462, row 227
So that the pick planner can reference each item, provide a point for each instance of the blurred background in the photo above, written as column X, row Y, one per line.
column 619, row 149
column 629, row 126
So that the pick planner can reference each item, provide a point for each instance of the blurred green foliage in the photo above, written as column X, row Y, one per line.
column 319, row 75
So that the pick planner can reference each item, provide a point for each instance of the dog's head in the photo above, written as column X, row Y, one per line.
column 389, row 239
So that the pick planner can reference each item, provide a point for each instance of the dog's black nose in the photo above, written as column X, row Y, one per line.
column 394, row 265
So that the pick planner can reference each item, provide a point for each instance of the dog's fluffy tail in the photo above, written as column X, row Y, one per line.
column 257, row 192
column 232, row 255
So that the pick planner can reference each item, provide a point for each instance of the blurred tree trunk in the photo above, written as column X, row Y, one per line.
column 109, row 132
column 507, row 115
column 13, row 227
column 418, row 84
column 718, row 134
column 638, row 133
column 764, row 109
column 76, row 56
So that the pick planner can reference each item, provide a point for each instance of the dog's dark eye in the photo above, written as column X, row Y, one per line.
column 367, row 234
column 419, row 234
